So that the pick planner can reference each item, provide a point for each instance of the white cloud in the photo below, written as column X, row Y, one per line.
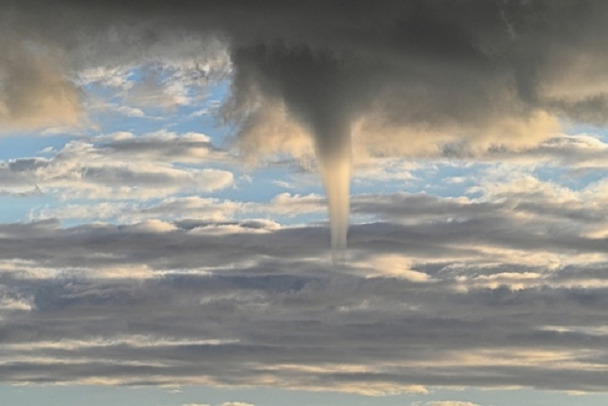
column 393, row 265
column 291, row 205
column 121, row 166
column 171, row 208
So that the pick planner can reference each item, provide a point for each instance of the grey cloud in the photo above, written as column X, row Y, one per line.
column 18, row 171
column 27, row 164
column 388, row 331
column 419, row 206
column 581, row 152
column 419, row 226
column 189, row 147
column 425, row 66
column 34, row 93
column 182, row 207
column 251, row 302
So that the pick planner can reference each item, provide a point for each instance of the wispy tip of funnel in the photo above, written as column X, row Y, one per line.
column 336, row 171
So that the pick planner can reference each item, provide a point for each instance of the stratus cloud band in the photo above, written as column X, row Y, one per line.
column 474, row 293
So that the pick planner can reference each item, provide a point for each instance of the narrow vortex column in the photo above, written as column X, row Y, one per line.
column 334, row 155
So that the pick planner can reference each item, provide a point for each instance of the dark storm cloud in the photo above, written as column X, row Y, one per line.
column 476, row 69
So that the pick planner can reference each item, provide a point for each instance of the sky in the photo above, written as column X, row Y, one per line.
column 238, row 203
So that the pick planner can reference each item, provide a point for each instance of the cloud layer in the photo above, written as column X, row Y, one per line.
column 507, row 290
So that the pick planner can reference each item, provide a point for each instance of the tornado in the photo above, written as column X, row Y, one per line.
column 314, row 87
column 333, row 152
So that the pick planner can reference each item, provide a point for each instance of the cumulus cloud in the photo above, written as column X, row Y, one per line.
column 121, row 165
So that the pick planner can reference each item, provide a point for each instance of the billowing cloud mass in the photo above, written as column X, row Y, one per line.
column 34, row 91
column 395, row 77
column 153, row 259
